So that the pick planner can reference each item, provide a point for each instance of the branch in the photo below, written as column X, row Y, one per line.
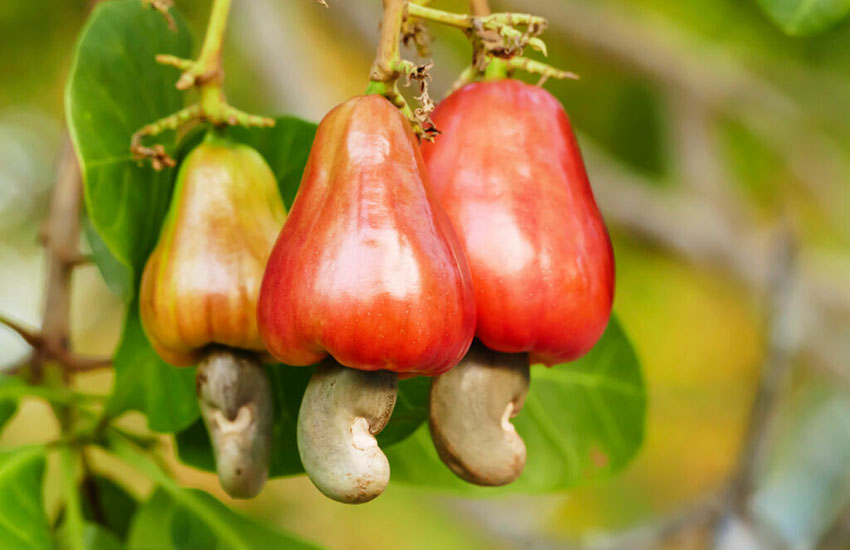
column 60, row 237
column 783, row 342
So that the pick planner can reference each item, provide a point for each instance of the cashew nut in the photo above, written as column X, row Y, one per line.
column 342, row 411
column 470, row 411
column 238, row 410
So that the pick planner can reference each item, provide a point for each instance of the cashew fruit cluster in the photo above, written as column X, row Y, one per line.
column 393, row 259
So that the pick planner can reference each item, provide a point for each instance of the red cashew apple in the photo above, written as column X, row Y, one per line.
column 368, row 273
column 508, row 170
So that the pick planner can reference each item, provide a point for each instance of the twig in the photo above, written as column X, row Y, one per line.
column 163, row 7
column 60, row 237
column 479, row 8
column 781, row 348
column 61, row 234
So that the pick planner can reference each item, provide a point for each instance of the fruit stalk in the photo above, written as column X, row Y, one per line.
column 207, row 75
column 479, row 8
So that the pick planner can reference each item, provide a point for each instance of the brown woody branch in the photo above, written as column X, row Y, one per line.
column 60, row 237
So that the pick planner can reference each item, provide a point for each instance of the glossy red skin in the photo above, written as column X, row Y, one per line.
column 508, row 171
column 367, row 267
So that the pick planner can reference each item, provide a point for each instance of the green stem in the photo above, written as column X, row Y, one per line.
column 73, row 523
column 210, row 57
column 536, row 67
column 207, row 75
column 388, row 56
column 502, row 23
column 466, row 22
column 497, row 69
column 388, row 66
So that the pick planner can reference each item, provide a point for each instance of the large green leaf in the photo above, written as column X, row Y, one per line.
column 116, row 87
column 581, row 420
column 410, row 412
column 289, row 383
column 146, row 383
column 189, row 518
column 23, row 520
column 176, row 517
column 806, row 17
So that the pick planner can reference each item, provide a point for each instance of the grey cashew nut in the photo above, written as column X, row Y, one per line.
column 342, row 411
column 470, row 411
column 236, row 402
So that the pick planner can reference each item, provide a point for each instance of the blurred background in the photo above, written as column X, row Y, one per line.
column 719, row 152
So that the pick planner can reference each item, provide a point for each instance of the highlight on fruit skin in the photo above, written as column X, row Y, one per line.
column 367, row 276
column 201, row 282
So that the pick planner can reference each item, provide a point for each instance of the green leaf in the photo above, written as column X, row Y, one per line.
column 581, row 420
column 23, row 520
column 190, row 518
column 149, row 527
column 228, row 529
column 8, row 397
column 96, row 537
column 114, row 505
column 116, row 87
column 71, row 533
column 118, row 277
column 285, row 147
column 146, row 383
column 806, row 17
column 288, row 385
column 410, row 412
